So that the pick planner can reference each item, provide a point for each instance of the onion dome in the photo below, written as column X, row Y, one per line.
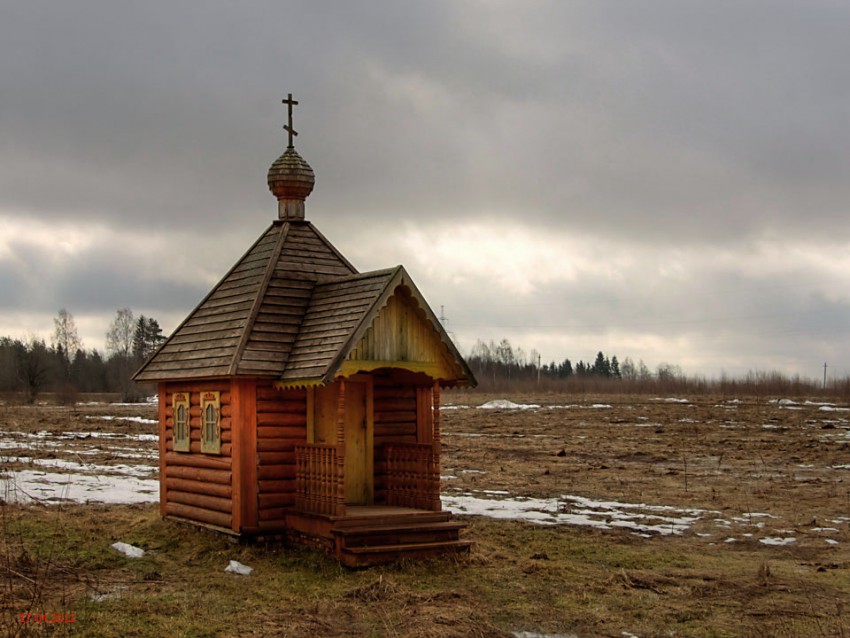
column 291, row 180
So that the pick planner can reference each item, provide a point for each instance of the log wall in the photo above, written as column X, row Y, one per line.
column 197, row 486
column 395, row 422
column 281, row 425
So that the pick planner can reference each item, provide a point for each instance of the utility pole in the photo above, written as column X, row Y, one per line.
column 824, row 375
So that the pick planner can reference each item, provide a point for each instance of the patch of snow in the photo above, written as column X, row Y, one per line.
column 534, row 634
column 831, row 541
column 670, row 400
column 832, row 408
column 777, row 540
column 600, row 406
column 577, row 510
column 504, row 404
column 31, row 485
column 824, row 529
column 782, row 402
column 840, row 467
column 130, row 551
column 62, row 464
column 731, row 540
column 454, row 407
column 235, row 567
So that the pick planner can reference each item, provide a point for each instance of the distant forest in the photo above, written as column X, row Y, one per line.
column 63, row 367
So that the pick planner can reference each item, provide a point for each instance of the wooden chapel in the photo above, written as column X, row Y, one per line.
column 301, row 398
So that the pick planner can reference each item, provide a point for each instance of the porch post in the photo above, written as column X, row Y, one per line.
column 436, row 446
column 340, row 449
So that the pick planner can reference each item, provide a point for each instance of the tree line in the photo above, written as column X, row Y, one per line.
column 63, row 366
column 501, row 364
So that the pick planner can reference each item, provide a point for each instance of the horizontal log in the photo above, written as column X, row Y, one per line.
column 380, row 440
column 395, row 405
column 277, row 524
column 395, row 429
column 273, row 514
column 273, row 407
column 282, row 418
column 278, row 445
column 407, row 416
column 268, row 501
column 391, row 392
column 198, row 514
column 279, row 432
column 276, row 458
column 199, row 474
column 173, row 459
column 269, row 487
column 204, row 501
column 276, row 472
column 199, row 487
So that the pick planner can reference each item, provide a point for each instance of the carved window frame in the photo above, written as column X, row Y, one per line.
column 182, row 422
column 211, row 422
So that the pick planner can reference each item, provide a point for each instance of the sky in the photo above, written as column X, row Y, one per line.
column 664, row 180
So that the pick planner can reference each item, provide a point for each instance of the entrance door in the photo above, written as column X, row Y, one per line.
column 359, row 474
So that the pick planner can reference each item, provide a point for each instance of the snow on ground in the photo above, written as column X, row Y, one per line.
column 578, row 510
column 52, row 487
column 777, row 541
column 504, row 404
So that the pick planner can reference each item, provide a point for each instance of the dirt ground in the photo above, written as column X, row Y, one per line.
column 658, row 516
column 734, row 458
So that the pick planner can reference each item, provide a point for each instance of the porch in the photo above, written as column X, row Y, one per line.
column 407, row 523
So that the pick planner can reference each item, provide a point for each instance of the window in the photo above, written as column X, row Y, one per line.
column 210, row 423
column 180, row 408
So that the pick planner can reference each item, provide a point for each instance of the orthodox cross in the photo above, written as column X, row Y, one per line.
column 292, row 132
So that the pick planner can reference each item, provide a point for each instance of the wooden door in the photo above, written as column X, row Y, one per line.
column 359, row 447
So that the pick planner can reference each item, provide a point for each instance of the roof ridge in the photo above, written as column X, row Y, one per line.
column 327, row 243
column 259, row 298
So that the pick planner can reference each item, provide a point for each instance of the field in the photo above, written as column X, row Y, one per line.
column 591, row 515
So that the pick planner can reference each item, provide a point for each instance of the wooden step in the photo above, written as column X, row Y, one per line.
column 378, row 554
column 392, row 519
column 405, row 527
column 398, row 534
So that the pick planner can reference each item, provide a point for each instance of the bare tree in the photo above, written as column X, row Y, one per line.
column 119, row 337
column 65, row 336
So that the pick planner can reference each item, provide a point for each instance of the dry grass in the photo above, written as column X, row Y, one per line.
column 520, row 576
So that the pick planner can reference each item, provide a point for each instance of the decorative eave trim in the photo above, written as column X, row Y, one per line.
column 298, row 384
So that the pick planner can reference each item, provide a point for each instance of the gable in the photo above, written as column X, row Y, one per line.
column 401, row 336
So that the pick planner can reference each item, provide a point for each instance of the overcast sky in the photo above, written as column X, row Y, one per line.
column 661, row 180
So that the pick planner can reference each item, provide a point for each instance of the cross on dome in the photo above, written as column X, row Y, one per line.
column 288, row 127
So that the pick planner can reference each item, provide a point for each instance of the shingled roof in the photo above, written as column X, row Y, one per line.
column 292, row 309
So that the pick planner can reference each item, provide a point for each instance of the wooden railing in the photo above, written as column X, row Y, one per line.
column 412, row 476
column 318, row 485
